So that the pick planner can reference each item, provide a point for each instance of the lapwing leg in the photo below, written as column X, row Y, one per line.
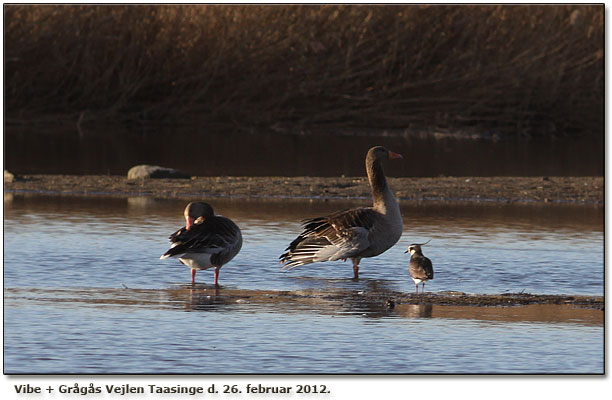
column 193, row 272
column 417, row 288
column 423, row 289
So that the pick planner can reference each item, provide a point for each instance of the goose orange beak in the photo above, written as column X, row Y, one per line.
column 393, row 156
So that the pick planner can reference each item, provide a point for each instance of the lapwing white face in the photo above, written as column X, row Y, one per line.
column 412, row 250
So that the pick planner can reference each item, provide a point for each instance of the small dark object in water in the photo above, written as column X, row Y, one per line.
column 390, row 304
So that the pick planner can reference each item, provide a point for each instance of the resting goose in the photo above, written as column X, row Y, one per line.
column 355, row 233
column 421, row 269
column 206, row 241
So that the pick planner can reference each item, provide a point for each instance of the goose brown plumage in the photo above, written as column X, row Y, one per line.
column 355, row 233
column 206, row 241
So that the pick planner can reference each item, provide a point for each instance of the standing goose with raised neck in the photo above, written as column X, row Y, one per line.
column 206, row 241
column 355, row 233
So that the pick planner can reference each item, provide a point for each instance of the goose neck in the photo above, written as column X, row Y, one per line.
column 381, row 193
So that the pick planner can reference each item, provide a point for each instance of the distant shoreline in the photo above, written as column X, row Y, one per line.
column 536, row 190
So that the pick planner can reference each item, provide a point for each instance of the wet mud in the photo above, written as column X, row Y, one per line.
column 370, row 304
column 581, row 190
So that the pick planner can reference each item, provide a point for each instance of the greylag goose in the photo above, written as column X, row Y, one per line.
column 421, row 269
column 355, row 233
column 206, row 241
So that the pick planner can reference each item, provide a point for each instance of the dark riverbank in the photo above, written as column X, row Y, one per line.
column 113, row 150
column 577, row 190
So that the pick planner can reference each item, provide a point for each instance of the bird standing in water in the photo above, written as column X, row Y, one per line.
column 355, row 233
column 206, row 241
column 421, row 269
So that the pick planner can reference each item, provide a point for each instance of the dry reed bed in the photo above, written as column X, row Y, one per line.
column 535, row 70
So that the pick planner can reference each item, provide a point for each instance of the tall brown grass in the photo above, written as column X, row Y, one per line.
column 514, row 69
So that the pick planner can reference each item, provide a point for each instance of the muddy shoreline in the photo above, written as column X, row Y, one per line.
column 496, row 300
column 570, row 190
column 391, row 299
column 374, row 303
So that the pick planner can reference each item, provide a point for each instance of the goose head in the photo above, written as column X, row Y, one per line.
column 381, row 153
column 196, row 212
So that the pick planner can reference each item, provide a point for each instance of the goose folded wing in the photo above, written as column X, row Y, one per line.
column 174, row 238
column 212, row 235
column 348, row 231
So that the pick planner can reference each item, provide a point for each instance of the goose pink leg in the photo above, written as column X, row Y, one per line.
column 217, row 275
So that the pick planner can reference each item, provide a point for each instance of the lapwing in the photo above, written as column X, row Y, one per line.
column 421, row 269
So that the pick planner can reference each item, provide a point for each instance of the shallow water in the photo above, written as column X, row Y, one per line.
column 85, row 292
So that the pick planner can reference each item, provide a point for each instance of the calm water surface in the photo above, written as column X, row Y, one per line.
column 85, row 292
column 114, row 150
